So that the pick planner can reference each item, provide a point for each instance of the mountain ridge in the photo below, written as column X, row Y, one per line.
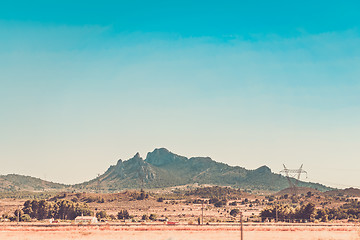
column 161, row 168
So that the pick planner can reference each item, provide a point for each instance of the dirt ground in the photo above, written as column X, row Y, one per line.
column 158, row 232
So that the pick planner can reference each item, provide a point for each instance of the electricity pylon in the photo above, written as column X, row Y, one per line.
column 98, row 184
column 293, row 174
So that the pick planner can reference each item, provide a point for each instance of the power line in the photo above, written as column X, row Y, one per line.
column 293, row 174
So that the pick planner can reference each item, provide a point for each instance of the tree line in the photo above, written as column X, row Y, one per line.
column 61, row 209
column 42, row 209
column 308, row 212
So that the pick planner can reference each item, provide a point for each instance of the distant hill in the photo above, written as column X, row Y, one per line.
column 15, row 182
column 352, row 192
column 299, row 190
column 162, row 168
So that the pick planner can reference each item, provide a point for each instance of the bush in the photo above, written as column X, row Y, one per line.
column 234, row 212
column 233, row 203
column 25, row 218
column 101, row 214
column 142, row 195
column 220, row 203
column 18, row 213
column 123, row 214
column 213, row 200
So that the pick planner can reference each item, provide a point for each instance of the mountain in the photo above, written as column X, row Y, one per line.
column 162, row 168
column 15, row 182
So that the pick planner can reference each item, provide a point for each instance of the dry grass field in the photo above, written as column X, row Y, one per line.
column 180, row 232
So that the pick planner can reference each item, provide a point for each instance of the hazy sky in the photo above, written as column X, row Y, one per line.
column 248, row 83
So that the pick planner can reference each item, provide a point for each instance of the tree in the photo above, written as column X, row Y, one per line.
column 234, row 212
column 18, row 213
column 306, row 212
column 101, row 214
column 279, row 212
column 233, row 203
column 43, row 210
column 152, row 217
column 220, row 203
column 321, row 215
column 63, row 209
column 142, row 195
column 25, row 218
column 213, row 200
column 123, row 214
column 27, row 209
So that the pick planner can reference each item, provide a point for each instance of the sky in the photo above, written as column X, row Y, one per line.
column 247, row 83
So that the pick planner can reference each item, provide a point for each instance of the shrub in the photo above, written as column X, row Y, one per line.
column 233, row 203
column 220, row 203
column 25, row 218
column 123, row 214
column 152, row 217
column 101, row 214
column 234, row 212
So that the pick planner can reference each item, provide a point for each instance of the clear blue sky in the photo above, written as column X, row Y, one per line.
column 247, row 83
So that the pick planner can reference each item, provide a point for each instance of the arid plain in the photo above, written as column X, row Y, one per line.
column 183, row 213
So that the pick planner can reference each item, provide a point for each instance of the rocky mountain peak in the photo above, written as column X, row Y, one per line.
column 137, row 155
column 162, row 156
column 263, row 169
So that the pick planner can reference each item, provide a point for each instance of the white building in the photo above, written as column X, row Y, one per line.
column 85, row 219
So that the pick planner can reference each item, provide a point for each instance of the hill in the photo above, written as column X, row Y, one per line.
column 299, row 190
column 15, row 182
column 162, row 168
column 351, row 192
